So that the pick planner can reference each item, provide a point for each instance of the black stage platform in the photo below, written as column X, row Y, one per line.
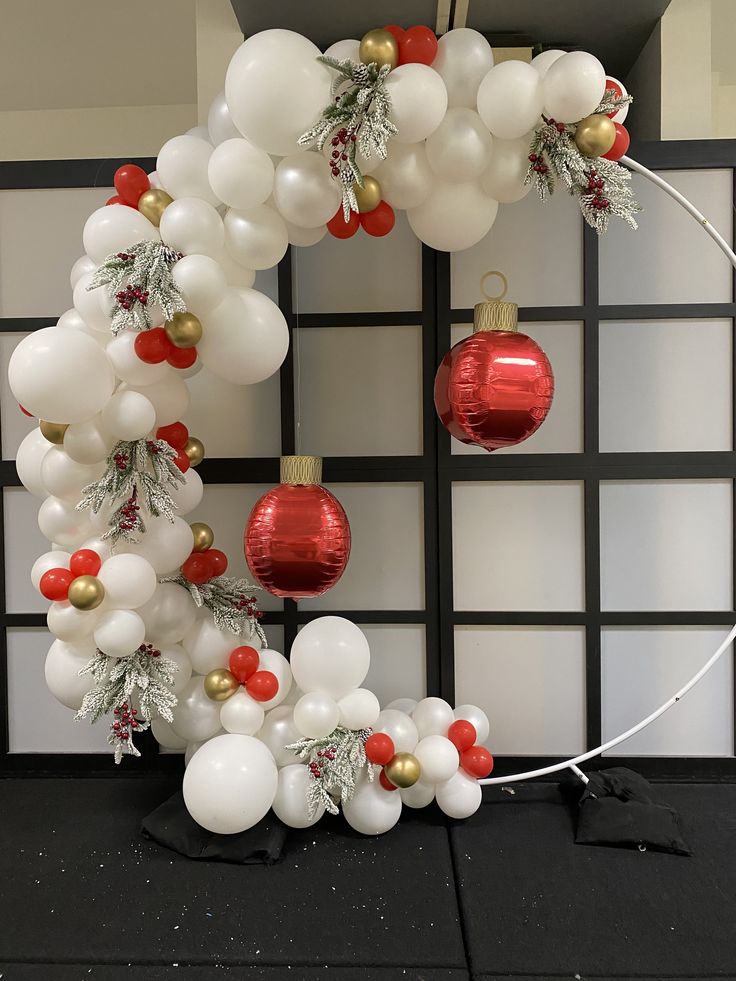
column 505, row 895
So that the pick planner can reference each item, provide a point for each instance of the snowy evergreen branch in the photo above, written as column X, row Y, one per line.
column 334, row 762
column 229, row 601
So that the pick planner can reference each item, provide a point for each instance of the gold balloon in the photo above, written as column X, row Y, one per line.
column 379, row 47
column 220, row 684
column 184, row 330
column 369, row 195
column 203, row 536
column 86, row 592
column 595, row 135
column 194, row 449
column 153, row 203
column 53, row 431
column 403, row 770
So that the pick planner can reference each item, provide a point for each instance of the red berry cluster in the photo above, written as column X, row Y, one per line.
column 153, row 346
column 149, row 649
column 125, row 722
column 128, row 514
column 324, row 756
column 538, row 164
column 341, row 139
column 131, row 295
column 595, row 195
column 120, row 460
column 249, row 604
column 124, row 256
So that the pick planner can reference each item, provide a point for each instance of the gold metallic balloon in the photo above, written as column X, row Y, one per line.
column 381, row 47
column 220, row 684
column 595, row 135
column 53, row 431
column 184, row 330
column 86, row 592
column 403, row 770
column 153, row 203
column 194, row 449
column 203, row 536
column 369, row 195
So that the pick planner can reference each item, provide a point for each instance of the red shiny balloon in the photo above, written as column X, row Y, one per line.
column 379, row 748
column 153, row 346
column 55, row 583
column 175, row 434
column 262, row 686
column 116, row 199
column 418, row 46
column 340, row 228
column 477, row 761
column 183, row 463
column 494, row 389
column 297, row 540
column 130, row 182
column 244, row 662
column 380, row 221
column 197, row 568
column 385, row 782
column 85, row 562
column 217, row 561
column 182, row 357
column 620, row 144
column 25, row 411
column 617, row 93
column 462, row 735
column 398, row 32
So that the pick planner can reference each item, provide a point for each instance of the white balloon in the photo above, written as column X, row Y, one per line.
column 276, row 663
column 96, row 544
column 316, row 714
column 220, row 126
column 208, row 646
column 304, row 191
column 506, row 173
column 71, row 319
column 84, row 264
column 166, row 544
column 170, row 398
column 126, row 363
column 60, row 376
column 153, row 179
column 93, row 306
column 86, row 442
column 460, row 147
column 278, row 731
column 68, row 623
column 196, row 716
column 290, row 803
column 359, row 709
column 241, row 174
column 115, row 227
column 187, row 496
column 418, row 795
column 119, row 633
column 463, row 59
column 276, row 89
column 202, row 282
column 460, row 796
column 342, row 50
column 544, row 61
column 129, row 581
column 331, row 655
column 165, row 735
column 56, row 559
column 433, row 717
column 199, row 131
column 182, row 168
column 418, row 101
column 63, row 663
column 400, row 727
column 573, row 87
column 620, row 115
column 28, row 461
column 64, row 477
column 61, row 523
column 235, row 274
column 454, row 216
column 437, row 757
column 510, row 99
column 129, row 415
column 241, row 713
column 405, row 175
column 246, row 338
column 406, row 705
column 372, row 810
column 191, row 225
column 256, row 238
column 304, row 237
column 477, row 717
column 169, row 614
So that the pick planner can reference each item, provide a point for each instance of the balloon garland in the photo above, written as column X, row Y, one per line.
column 149, row 630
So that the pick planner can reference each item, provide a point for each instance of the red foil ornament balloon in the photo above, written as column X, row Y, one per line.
column 494, row 388
column 297, row 540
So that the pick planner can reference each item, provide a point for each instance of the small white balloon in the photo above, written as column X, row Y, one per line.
column 126, row 363
column 192, row 226
column 510, row 99
column 303, row 190
column 372, row 810
column 196, row 717
column 165, row 735
column 290, row 803
column 406, row 705
column 115, row 227
column 220, row 126
column 460, row 147
column 405, row 175
column 235, row 274
column 544, row 61
column 188, row 496
column 242, row 714
column 208, row 646
column 437, row 757
column 477, row 717
column 279, row 731
column 96, row 544
column 419, row 795
column 29, row 459
column 93, row 305
column 305, row 237
column 167, row 544
column 506, row 173
column 170, row 398
column 63, row 663
column 342, row 50
column 168, row 614
column 84, row 264
column 199, row 131
column 316, row 714
column 454, row 216
column 129, row 416
column 129, row 581
column 460, row 796
column 241, row 174
column 64, row 477
column 56, row 559
column 359, row 709
column 418, row 101
column 60, row 522
column 400, row 727
column 119, row 633
column 573, row 87
column 256, row 238
column 177, row 654
column 87, row 442
column 463, row 59
column 433, row 717
column 182, row 168
column 68, row 623
column 276, row 663
column 202, row 282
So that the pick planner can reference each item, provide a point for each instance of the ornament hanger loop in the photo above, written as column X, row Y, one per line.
column 504, row 281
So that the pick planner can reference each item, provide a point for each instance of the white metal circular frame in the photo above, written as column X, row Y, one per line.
column 591, row 753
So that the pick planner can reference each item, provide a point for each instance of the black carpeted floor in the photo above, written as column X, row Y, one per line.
column 505, row 895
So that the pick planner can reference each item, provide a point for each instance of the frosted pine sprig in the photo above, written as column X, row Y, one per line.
column 334, row 763
column 229, row 601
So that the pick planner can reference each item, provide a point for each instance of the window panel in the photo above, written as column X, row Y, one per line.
column 15, row 424
column 23, row 545
column 397, row 661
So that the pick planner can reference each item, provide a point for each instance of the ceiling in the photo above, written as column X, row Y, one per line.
column 614, row 31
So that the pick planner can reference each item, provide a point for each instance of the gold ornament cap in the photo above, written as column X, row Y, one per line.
column 495, row 313
column 301, row 469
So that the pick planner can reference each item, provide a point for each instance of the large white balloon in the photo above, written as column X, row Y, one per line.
column 405, row 175
column 510, row 99
column 60, row 375
column 331, row 655
column 64, row 477
column 208, row 646
column 477, row 717
column 119, row 633
column 359, row 709
column 168, row 614
column 400, row 727
column 126, row 363
column 433, row 717
column 68, row 623
column 304, row 191
column 454, row 216
column 166, row 544
column 544, row 61
column 219, row 122
column 460, row 796
column 246, row 338
column 230, row 783
column 63, row 663
column 257, row 238
column 241, row 174
column 202, row 282
column 182, row 168
column 191, row 225
column 463, row 59
column 372, row 810
column 165, row 735
column 129, row 581
column 187, row 496
column 504, row 178
column 316, row 714
column 437, row 757
column 55, row 559
column 128, row 415
column 460, row 147
column 241, row 713
column 276, row 89
column 418, row 101
column 87, row 442
column 276, row 663
column 169, row 397
column 116, row 227
column 279, row 731
column 60, row 522
column 29, row 459
column 196, row 716
column 290, row 803
column 573, row 87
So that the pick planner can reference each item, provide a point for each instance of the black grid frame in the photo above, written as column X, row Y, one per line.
column 436, row 469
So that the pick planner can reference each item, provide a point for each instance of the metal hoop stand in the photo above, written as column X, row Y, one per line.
column 573, row 763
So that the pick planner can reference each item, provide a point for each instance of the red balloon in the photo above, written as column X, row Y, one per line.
column 116, row 199
column 175, row 434
column 25, row 411
column 153, row 346
column 398, row 32
column 380, row 221
column 385, row 782
column 182, row 357
column 183, row 463
column 477, row 761
column 130, row 182
column 243, row 663
column 620, row 144
column 217, row 560
column 262, row 685
column 379, row 748
column 617, row 93
column 462, row 735
column 196, row 568
column 340, row 228
column 55, row 583
column 85, row 562
column 297, row 540
column 494, row 389
column 418, row 46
